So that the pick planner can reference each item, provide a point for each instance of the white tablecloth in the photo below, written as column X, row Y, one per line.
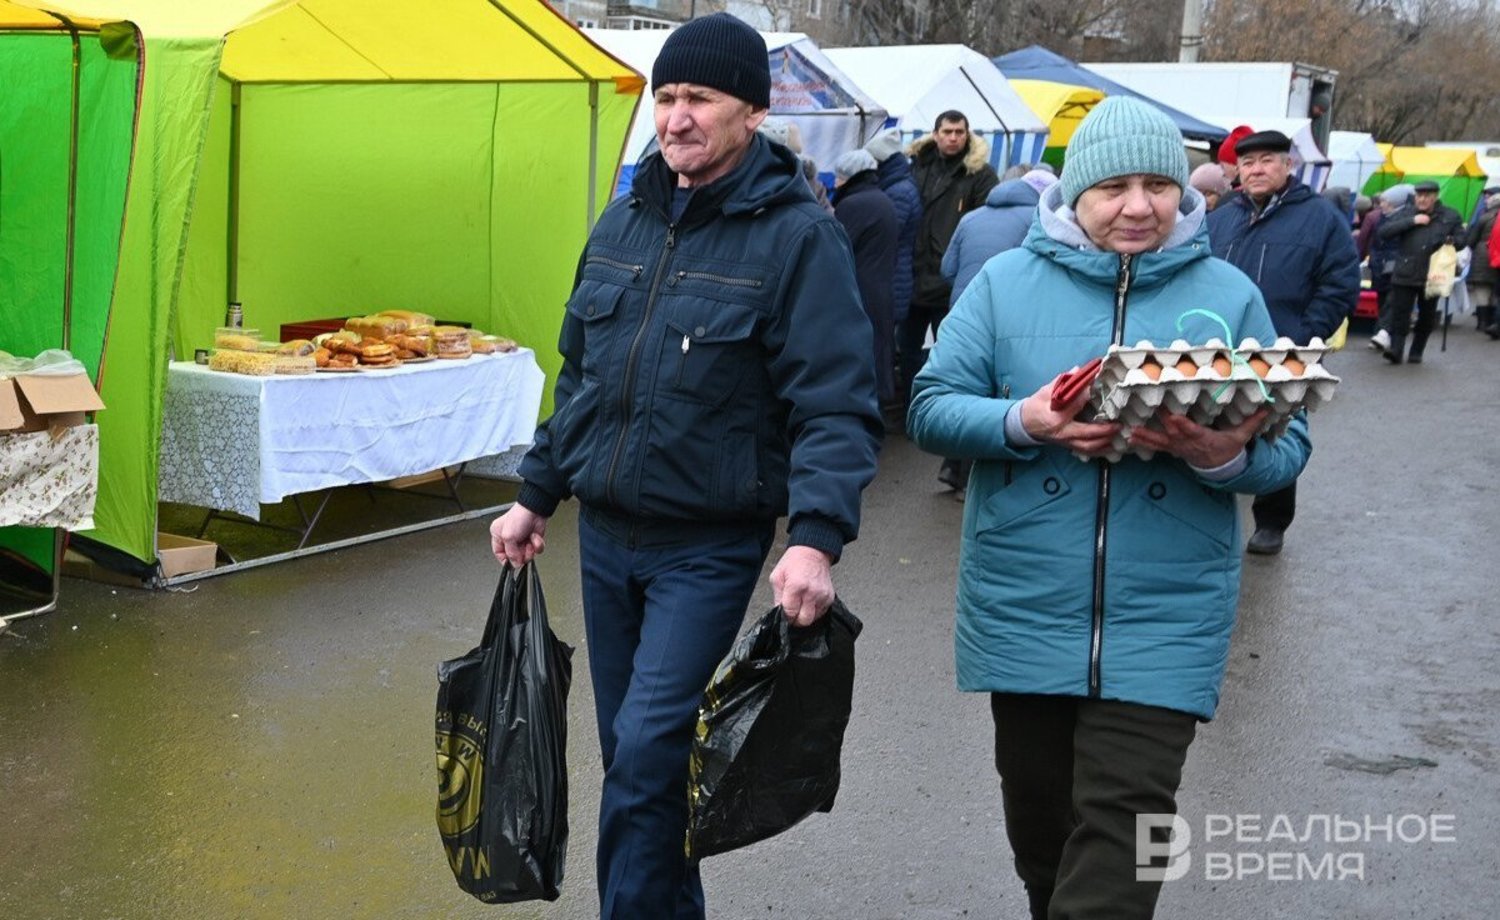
column 48, row 481
column 233, row 442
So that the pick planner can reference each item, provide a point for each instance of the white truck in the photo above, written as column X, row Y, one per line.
column 1243, row 89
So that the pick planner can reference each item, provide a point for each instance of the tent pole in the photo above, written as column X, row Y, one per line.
column 232, row 237
column 71, row 232
column 593, row 153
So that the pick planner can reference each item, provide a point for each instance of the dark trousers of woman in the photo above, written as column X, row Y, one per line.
column 1402, row 298
column 1074, row 774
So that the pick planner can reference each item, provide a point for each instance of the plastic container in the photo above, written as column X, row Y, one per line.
column 230, row 338
column 234, row 361
column 294, row 364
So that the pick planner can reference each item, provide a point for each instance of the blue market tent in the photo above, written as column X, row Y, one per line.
column 1038, row 63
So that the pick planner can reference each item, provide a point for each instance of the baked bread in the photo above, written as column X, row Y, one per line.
column 298, row 347
column 451, row 342
column 417, row 345
column 343, row 344
column 489, row 344
column 322, row 356
column 410, row 317
column 375, row 327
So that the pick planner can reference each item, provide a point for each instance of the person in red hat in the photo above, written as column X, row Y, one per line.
column 1227, row 156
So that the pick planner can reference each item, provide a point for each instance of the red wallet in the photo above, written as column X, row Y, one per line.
column 1072, row 383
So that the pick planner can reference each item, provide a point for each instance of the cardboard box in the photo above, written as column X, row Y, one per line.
column 37, row 402
column 182, row 555
column 418, row 479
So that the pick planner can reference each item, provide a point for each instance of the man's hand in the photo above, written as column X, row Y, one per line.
column 1058, row 426
column 516, row 536
column 1202, row 447
column 802, row 584
column 1421, row 220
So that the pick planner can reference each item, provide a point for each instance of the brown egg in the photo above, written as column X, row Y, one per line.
column 1222, row 367
column 1152, row 369
column 1259, row 365
column 1187, row 368
column 1295, row 366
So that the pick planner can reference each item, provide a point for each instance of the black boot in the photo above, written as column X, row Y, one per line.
column 1394, row 352
column 1418, row 345
column 1485, row 317
column 1492, row 328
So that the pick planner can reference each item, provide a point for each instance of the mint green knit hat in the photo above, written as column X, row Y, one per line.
column 1120, row 137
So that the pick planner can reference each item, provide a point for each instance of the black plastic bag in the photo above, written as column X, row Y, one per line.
column 770, row 728
column 502, row 744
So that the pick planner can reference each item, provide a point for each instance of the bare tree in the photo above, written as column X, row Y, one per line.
column 1408, row 71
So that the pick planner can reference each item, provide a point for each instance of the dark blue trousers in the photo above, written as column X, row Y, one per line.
column 661, row 609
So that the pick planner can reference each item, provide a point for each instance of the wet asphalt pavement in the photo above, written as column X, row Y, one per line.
column 260, row 746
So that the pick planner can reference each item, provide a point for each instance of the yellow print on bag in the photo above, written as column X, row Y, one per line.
column 460, row 764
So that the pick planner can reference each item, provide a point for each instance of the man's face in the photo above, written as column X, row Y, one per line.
column 952, row 137
column 703, row 132
column 1130, row 214
column 1426, row 200
column 1264, row 172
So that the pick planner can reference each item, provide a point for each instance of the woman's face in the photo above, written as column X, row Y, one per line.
column 1129, row 214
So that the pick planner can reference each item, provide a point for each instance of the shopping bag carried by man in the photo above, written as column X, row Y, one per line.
column 770, row 729
column 1442, row 270
column 501, row 750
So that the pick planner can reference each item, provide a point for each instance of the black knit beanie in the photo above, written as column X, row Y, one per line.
column 720, row 52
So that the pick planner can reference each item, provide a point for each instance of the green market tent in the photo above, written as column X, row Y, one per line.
column 309, row 159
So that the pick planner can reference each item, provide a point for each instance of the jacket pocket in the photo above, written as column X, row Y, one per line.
column 1030, row 487
column 1172, row 502
column 573, row 428
column 710, row 349
column 594, row 306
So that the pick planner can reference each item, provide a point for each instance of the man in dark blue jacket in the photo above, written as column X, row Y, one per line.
column 1299, row 251
column 894, row 170
column 716, row 375
column 869, row 219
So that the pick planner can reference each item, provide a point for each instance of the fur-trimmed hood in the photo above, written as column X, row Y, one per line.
column 976, row 159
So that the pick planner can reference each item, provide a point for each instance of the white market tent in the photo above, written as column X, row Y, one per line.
column 1355, row 159
column 1309, row 163
column 831, row 112
column 916, row 83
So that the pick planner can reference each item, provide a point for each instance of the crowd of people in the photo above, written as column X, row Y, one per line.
column 734, row 353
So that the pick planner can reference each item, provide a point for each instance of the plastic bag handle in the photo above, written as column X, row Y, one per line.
column 503, row 609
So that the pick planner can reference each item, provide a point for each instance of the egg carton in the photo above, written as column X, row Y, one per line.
column 1211, row 383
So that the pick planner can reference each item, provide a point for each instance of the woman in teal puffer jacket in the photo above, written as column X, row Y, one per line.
column 1095, row 600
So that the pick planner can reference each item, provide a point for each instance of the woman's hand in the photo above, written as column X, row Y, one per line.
column 1204, row 448
column 1058, row 426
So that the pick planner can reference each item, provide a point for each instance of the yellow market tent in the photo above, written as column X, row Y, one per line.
column 1061, row 105
column 310, row 158
column 1457, row 172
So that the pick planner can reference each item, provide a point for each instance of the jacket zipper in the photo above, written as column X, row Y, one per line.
column 1005, row 394
column 614, row 263
column 1101, row 510
column 720, row 279
column 631, row 364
